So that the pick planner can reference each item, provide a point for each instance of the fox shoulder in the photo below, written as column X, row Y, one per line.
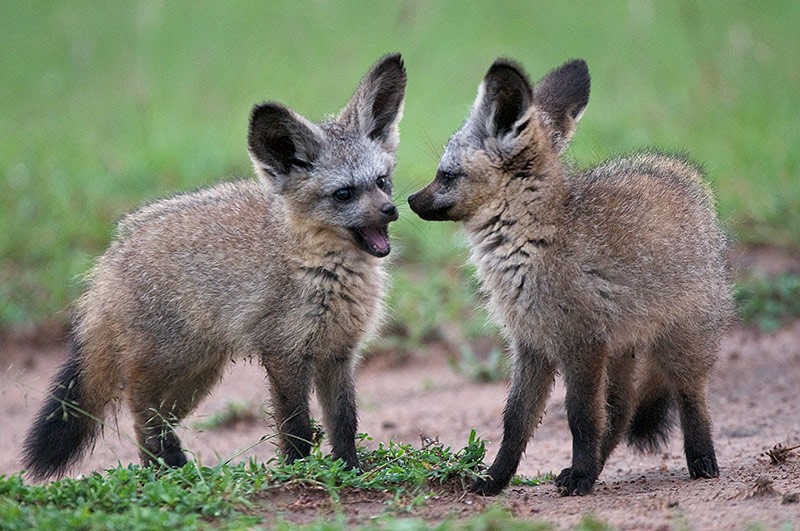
column 229, row 198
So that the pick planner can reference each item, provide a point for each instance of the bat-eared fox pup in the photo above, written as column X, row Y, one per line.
column 287, row 269
column 614, row 276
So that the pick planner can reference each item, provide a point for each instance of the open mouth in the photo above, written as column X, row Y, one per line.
column 374, row 240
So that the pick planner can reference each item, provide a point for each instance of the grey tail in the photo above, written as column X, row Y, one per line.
column 65, row 427
column 652, row 422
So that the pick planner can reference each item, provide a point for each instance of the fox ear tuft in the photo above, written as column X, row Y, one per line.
column 563, row 95
column 504, row 98
column 377, row 105
column 281, row 141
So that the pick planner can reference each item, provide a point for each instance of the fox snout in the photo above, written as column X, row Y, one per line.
column 382, row 210
column 426, row 205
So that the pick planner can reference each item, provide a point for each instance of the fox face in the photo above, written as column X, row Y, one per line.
column 337, row 176
column 513, row 128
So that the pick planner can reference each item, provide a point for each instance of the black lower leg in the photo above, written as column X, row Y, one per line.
column 697, row 440
column 516, row 433
column 336, row 391
column 161, row 443
column 619, row 404
column 530, row 387
column 295, row 435
column 585, row 403
column 343, row 434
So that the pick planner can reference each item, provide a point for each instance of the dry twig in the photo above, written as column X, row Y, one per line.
column 780, row 453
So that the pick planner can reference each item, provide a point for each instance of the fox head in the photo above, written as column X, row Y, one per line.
column 514, row 129
column 337, row 175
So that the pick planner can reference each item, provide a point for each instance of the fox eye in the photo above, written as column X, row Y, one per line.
column 447, row 177
column 343, row 194
column 381, row 182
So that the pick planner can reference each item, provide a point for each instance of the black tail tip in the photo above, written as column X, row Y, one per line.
column 63, row 429
column 56, row 441
column 651, row 425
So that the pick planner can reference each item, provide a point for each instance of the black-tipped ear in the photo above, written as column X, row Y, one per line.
column 562, row 95
column 503, row 98
column 377, row 105
column 280, row 140
column 509, row 93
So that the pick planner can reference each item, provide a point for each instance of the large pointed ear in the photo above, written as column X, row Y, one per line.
column 562, row 96
column 503, row 101
column 377, row 105
column 281, row 141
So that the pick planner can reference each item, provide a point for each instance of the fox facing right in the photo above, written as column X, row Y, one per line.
column 286, row 269
column 614, row 276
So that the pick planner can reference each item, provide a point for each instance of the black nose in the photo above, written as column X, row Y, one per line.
column 390, row 211
column 412, row 197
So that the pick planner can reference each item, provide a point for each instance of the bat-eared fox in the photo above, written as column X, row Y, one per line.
column 286, row 269
column 615, row 276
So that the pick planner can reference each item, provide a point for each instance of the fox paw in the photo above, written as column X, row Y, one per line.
column 352, row 464
column 703, row 467
column 487, row 487
column 571, row 481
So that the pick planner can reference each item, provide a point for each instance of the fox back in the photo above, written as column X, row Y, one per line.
column 286, row 269
column 586, row 269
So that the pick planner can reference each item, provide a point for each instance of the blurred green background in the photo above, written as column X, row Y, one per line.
column 107, row 105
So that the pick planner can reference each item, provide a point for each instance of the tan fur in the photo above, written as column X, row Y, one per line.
column 590, row 272
column 236, row 281
column 271, row 269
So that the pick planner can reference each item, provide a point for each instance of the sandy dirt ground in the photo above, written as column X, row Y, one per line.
column 755, row 397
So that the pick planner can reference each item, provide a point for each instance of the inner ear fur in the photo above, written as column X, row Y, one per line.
column 377, row 104
column 280, row 140
column 504, row 98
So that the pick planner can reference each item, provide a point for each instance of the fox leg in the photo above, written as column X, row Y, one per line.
column 585, row 379
column 689, row 358
column 289, row 387
column 531, row 382
column 619, row 403
column 156, row 437
column 691, row 397
column 336, row 391
column 159, row 398
column 697, row 440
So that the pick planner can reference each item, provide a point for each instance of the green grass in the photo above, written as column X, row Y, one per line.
column 231, row 496
column 768, row 302
column 233, row 414
column 104, row 106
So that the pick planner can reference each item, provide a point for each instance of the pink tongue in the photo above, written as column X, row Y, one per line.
column 376, row 238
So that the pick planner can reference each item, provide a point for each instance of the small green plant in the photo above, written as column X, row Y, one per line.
column 399, row 469
column 522, row 481
column 768, row 302
column 132, row 497
column 493, row 368
column 226, row 495
column 495, row 517
column 233, row 414
column 590, row 523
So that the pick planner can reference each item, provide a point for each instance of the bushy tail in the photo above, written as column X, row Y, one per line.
column 66, row 425
column 653, row 419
